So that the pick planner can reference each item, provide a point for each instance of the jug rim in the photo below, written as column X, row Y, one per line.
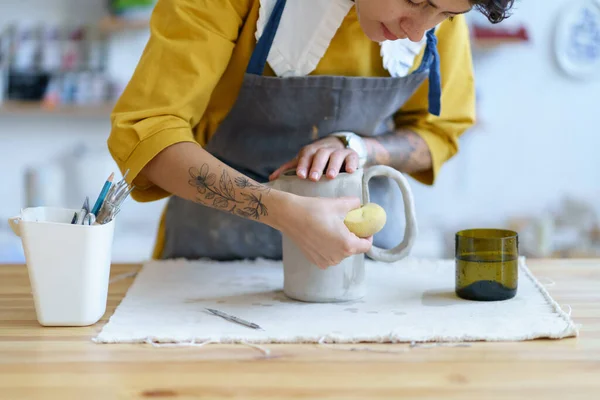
column 291, row 174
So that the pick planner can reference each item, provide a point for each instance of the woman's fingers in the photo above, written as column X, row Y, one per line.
column 288, row 165
column 336, row 160
column 351, row 161
column 319, row 161
column 304, row 162
column 312, row 161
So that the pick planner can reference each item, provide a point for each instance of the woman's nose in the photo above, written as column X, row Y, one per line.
column 415, row 30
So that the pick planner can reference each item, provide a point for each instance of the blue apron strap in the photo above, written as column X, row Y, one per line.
column 435, row 78
column 257, row 63
column 431, row 61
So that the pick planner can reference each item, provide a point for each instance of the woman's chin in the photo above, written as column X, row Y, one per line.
column 375, row 35
column 372, row 31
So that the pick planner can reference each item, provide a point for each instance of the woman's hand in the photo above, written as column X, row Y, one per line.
column 312, row 160
column 316, row 226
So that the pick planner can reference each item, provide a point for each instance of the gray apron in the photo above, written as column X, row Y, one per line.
column 271, row 121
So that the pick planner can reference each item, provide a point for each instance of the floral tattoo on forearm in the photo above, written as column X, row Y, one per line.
column 224, row 194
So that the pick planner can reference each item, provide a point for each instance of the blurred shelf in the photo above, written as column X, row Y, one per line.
column 113, row 24
column 494, row 42
column 489, row 43
column 485, row 37
column 24, row 108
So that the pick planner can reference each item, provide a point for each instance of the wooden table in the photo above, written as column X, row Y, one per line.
column 63, row 363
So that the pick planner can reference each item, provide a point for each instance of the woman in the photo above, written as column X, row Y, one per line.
column 230, row 93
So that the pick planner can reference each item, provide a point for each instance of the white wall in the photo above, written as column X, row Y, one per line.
column 537, row 140
column 40, row 139
column 51, row 11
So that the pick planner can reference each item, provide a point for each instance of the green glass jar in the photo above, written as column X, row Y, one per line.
column 487, row 264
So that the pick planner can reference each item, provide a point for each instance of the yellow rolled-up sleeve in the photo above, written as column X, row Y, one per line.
column 458, row 99
column 190, row 46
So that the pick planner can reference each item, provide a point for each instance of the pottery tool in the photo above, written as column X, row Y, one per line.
column 103, row 193
column 123, row 276
column 86, row 205
column 80, row 215
column 114, row 198
column 89, row 219
column 233, row 319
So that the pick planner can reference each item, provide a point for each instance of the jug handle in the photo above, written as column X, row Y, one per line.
column 14, row 225
column 410, row 231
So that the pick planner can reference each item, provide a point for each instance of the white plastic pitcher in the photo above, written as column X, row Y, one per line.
column 68, row 265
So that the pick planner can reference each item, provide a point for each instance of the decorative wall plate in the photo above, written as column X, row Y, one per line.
column 577, row 46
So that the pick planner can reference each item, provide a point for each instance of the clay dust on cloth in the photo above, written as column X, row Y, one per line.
column 412, row 300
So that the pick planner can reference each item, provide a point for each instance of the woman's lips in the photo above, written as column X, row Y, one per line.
column 388, row 34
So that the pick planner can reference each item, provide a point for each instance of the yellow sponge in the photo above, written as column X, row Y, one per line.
column 366, row 220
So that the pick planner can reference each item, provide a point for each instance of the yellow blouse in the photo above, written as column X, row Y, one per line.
column 192, row 68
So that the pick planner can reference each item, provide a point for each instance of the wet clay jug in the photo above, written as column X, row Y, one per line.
column 345, row 281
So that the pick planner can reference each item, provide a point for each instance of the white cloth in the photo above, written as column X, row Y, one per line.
column 412, row 300
column 306, row 30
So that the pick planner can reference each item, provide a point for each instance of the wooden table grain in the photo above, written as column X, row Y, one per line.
column 63, row 363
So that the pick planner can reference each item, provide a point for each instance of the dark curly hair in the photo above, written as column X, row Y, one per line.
column 495, row 10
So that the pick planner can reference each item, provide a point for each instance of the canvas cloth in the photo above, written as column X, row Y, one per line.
column 412, row 300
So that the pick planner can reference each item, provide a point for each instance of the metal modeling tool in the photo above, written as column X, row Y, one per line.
column 107, row 205
column 233, row 319
column 112, row 202
column 79, row 216
column 89, row 219
column 86, row 205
